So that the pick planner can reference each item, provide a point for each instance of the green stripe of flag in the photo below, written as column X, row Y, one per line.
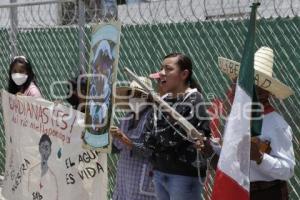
column 246, row 74
column 256, row 122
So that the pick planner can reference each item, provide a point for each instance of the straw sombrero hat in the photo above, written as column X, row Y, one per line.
column 263, row 66
column 123, row 92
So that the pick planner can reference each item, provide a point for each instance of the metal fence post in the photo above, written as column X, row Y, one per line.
column 81, row 22
column 13, row 28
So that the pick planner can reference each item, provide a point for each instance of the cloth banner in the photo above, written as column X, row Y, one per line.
column 44, row 155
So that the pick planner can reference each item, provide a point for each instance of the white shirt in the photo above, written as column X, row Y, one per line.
column 279, row 164
column 42, row 187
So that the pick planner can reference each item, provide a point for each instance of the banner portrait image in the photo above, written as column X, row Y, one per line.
column 45, row 159
column 104, row 57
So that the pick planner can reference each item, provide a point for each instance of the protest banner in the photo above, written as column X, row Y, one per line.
column 45, row 159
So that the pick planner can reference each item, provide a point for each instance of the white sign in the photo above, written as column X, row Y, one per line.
column 44, row 155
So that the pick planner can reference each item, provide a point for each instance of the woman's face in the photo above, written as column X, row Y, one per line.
column 171, row 76
column 19, row 68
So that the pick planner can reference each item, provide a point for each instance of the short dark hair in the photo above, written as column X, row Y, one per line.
column 44, row 138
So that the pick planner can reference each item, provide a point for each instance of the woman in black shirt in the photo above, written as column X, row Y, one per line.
column 174, row 155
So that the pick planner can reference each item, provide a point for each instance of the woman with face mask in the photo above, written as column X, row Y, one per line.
column 134, row 172
column 22, row 78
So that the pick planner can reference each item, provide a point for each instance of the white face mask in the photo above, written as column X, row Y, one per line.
column 19, row 78
column 137, row 104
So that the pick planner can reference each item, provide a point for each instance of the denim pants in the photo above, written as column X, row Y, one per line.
column 176, row 187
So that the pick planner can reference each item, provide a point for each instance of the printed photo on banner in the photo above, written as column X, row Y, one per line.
column 102, row 74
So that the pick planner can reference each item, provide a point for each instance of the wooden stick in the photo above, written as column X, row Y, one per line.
column 191, row 131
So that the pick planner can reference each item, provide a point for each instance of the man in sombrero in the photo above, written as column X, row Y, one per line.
column 272, row 155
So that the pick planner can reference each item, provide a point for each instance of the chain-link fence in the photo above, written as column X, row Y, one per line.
column 55, row 36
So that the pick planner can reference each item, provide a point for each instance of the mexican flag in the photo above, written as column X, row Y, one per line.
column 232, row 176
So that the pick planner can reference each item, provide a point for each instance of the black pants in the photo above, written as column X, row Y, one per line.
column 274, row 190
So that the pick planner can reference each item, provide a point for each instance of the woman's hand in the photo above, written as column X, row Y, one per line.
column 199, row 144
column 205, row 147
column 118, row 134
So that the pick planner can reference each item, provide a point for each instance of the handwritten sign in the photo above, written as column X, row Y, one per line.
column 44, row 154
column 232, row 68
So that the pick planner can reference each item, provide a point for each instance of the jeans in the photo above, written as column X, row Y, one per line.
column 176, row 187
